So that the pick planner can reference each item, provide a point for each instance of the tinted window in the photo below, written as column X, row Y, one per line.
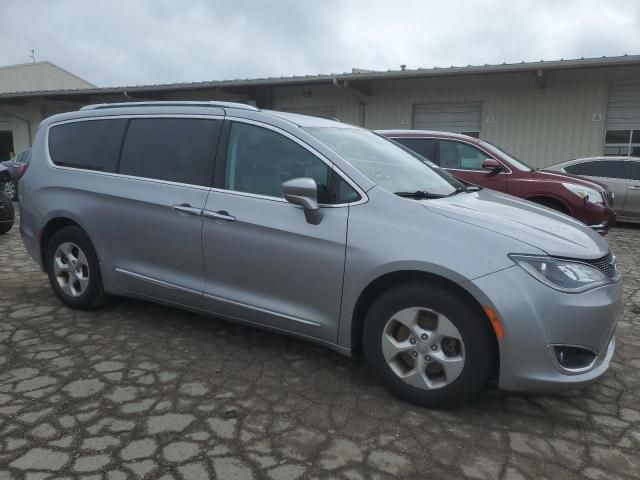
column 634, row 170
column 260, row 160
column 605, row 168
column 342, row 192
column 173, row 149
column 461, row 156
column 91, row 144
column 424, row 146
column 617, row 136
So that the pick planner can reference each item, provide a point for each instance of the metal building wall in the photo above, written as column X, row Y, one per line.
column 38, row 76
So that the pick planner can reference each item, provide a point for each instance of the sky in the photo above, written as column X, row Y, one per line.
column 117, row 43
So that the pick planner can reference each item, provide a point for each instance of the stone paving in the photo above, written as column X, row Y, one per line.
column 139, row 390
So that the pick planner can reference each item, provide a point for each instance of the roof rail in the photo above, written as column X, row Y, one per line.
column 240, row 106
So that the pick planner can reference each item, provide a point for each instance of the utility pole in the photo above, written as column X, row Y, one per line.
column 32, row 55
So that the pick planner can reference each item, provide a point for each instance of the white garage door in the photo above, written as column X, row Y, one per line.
column 449, row 117
column 623, row 118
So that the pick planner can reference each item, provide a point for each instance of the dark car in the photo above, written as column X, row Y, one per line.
column 10, row 173
column 6, row 214
column 482, row 163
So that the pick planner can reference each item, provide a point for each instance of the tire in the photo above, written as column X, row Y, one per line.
column 74, row 270
column 5, row 226
column 475, row 347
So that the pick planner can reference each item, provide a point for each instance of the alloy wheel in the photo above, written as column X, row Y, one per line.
column 423, row 348
column 71, row 269
column 9, row 189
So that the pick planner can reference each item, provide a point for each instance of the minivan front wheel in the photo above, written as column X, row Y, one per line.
column 73, row 269
column 429, row 345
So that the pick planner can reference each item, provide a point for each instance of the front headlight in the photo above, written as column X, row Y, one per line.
column 586, row 193
column 564, row 275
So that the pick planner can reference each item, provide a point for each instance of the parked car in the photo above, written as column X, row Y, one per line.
column 482, row 163
column 621, row 175
column 322, row 230
column 6, row 214
column 13, row 170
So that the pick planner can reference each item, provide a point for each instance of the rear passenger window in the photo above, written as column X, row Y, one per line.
column 90, row 144
column 173, row 149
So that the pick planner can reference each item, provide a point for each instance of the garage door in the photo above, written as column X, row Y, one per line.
column 449, row 117
column 319, row 111
column 623, row 118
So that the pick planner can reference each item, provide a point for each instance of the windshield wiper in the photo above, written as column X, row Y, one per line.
column 420, row 194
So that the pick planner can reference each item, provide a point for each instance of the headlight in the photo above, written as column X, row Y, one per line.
column 586, row 193
column 564, row 275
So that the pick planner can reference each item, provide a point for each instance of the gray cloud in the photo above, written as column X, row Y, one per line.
column 156, row 41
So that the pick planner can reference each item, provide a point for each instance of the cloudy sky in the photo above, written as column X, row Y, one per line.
column 120, row 42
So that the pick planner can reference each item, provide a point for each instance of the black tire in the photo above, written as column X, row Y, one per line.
column 94, row 296
column 552, row 204
column 475, row 330
column 6, row 223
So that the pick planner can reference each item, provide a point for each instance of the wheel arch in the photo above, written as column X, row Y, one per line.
column 52, row 226
column 382, row 283
column 563, row 207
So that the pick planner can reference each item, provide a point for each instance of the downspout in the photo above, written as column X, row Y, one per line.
column 352, row 95
column 24, row 120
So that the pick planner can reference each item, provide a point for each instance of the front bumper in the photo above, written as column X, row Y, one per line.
column 536, row 317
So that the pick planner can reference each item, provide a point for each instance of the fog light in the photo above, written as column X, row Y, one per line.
column 574, row 358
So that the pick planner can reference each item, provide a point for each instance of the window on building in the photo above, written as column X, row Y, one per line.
column 622, row 143
column 461, row 156
column 602, row 168
column 90, row 144
column 173, row 149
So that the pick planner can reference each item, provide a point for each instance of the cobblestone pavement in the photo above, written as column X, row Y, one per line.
column 137, row 390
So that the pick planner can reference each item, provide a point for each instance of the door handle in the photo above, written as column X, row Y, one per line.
column 219, row 215
column 634, row 187
column 188, row 209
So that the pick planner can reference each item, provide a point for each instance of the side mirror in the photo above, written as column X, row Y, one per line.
column 492, row 164
column 304, row 192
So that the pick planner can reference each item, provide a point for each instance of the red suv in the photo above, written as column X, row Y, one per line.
column 482, row 163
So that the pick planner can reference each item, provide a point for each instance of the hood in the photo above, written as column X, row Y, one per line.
column 560, row 177
column 550, row 231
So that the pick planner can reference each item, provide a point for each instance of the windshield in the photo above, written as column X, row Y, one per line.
column 519, row 164
column 386, row 163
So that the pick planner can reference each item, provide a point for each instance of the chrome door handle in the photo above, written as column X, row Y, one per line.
column 188, row 209
column 634, row 187
column 219, row 215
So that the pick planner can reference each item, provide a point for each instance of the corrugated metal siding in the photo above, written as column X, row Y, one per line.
column 33, row 77
column 623, row 110
column 448, row 117
column 304, row 99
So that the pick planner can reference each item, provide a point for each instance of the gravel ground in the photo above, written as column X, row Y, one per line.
column 139, row 390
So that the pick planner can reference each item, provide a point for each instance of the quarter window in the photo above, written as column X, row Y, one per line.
column 461, row 156
column 259, row 161
column 602, row 168
column 91, row 144
column 173, row 149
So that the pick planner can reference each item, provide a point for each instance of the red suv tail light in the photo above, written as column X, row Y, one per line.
column 20, row 170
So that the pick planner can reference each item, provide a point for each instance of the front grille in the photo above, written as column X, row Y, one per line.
column 606, row 265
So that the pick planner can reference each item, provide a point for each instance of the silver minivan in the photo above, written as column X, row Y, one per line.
column 325, row 231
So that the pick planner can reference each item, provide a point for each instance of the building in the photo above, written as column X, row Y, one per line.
column 16, row 127
column 543, row 112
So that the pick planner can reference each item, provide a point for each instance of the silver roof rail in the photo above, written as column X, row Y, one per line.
column 240, row 106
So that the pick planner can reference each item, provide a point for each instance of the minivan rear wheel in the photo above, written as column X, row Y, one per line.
column 73, row 269
column 430, row 346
